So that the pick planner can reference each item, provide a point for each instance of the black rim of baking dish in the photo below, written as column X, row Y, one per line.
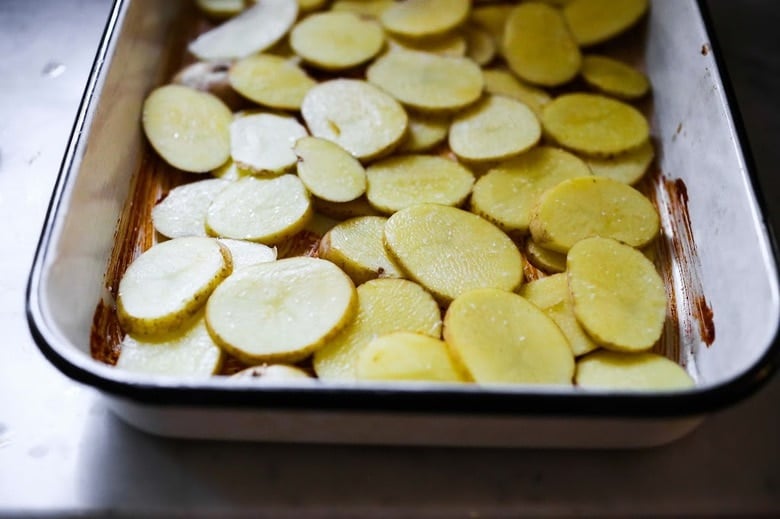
column 445, row 400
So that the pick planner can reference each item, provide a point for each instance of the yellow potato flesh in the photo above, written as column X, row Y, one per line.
column 480, row 45
column 344, row 210
column 420, row 18
column 425, row 131
column 368, row 8
column 628, row 167
column 595, row 21
column 328, row 170
column 503, row 83
column 493, row 18
column 451, row 44
column 614, row 77
column 183, row 210
column 631, row 371
column 545, row 259
column 262, row 142
column 246, row 253
column 336, row 40
column 271, row 81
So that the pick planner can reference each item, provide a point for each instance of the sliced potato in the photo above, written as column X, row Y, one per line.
column 221, row 9
column 165, row 286
column 593, row 206
column 421, row 18
column 492, row 17
column 271, row 373
column 508, row 193
column 628, row 167
column 499, row 337
column 231, row 171
column 306, row 6
column 262, row 210
column 384, row 306
column 425, row 131
column 407, row 356
column 614, row 78
column 480, row 45
column 618, row 296
column 538, row 46
column 504, row 83
column 356, row 246
column 594, row 125
column 280, row 311
column 183, row 210
column 356, row 115
column 264, row 143
column 451, row 44
column 632, row 371
column 450, row 251
column 337, row 40
column 426, row 81
column 596, row 21
column 405, row 180
column 496, row 128
column 328, row 170
column 345, row 210
column 368, row 8
column 211, row 77
column 544, row 259
column 188, row 128
column 271, row 81
column 245, row 253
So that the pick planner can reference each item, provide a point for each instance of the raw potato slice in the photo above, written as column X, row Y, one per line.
column 508, row 193
column 337, row 40
column 425, row 131
column 356, row 247
column 246, row 253
column 493, row 18
column 368, row 8
column 280, row 311
column 551, row 295
column 384, row 306
column 271, row 373
column 356, row 115
column 633, row 371
column 271, row 81
column 421, row 18
column 539, row 47
column 480, row 45
column 614, row 78
column 306, row 6
column 628, row 167
column 211, row 77
column 264, row 143
column 618, row 296
column 190, row 352
column 345, row 210
column 545, row 259
column 426, row 81
column 494, row 129
column 252, row 31
column 183, row 210
column 220, row 9
column 407, row 356
column 595, row 21
column 231, row 171
column 402, row 181
column 188, row 128
column 500, row 338
column 503, row 83
column 328, row 170
column 265, row 210
column 451, row 44
column 593, row 206
column 450, row 251
column 166, row 285
column 594, row 125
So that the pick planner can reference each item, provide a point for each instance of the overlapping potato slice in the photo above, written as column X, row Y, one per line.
column 493, row 18
column 265, row 210
column 368, row 8
column 280, row 311
column 183, row 210
column 450, row 251
column 502, row 82
column 230, row 171
column 406, row 180
column 306, row 6
column 426, row 81
column 407, row 356
column 187, row 127
column 264, row 143
column 166, row 285
column 271, row 81
column 628, row 167
column 345, row 210
column 500, row 337
column 356, row 115
column 384, row 306
column 594, row 125
column 271, row 373
column 422, row 18
column 328, row 171
column 595, row 21
column 480, row 45
column 538, row 46
column 618, row 296
column 593, row 206
column 547, row 260
column 245, row 253
column 613, row 77
column 631, row 371
column 336, row 40
column 452, row 44
column 508, row 193
column 221, row 9
column 211, row 77
column 356, row 246
column 425, row 131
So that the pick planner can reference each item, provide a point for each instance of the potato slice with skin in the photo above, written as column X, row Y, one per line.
column 494, row 129
column 384, row 306
column 280, row 311
column 504, row 83
column 336, row 40
column 628, row 167
column 407, row 356
column 264, row 143
column 262, row 210
column 631, row 371
column 271, row 373
column 231, row 171
column 450, row 251
column 166, row 286
column 480, row 45
column 539, row 47
column 356, row 115
column 508, row 193
column 421, row 18
column 545, row 259
column 183, row 210
column 425, row 131
column 211, row 77
column 245, row 253
column 594, row 125
column 613, row 77
column 595, row 21
column 188, row 128
column 368, row 8
column 493, row 18
column 451, row 44
column 328, row 170
column 618, row 296
column 582, row 207
column 345, row 210
column 425, row 81
column 356, row 247
column 271, row 81
column 221, row 9
column 401, row 181
column 501, row 338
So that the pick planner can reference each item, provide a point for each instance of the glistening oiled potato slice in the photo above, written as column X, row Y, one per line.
column 499, row 337
column 421, row 18
column 263, row 142
column 502, row 82
column 632, row 371
column 280, row 311
column 336, row 40
column 271, row 81
column 166, row 285
column 595, row 21
column 183, row 210
column 614, row 77
column 450, row 251
column 328, row 170
column 384, row 306
column 618, row 296
column 425, row 131
column 188, row 128
column 593, row 206
column 245, row 253
column 356, row 115
column 628, row 167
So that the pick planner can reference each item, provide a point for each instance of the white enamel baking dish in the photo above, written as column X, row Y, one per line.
column 720, row 262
